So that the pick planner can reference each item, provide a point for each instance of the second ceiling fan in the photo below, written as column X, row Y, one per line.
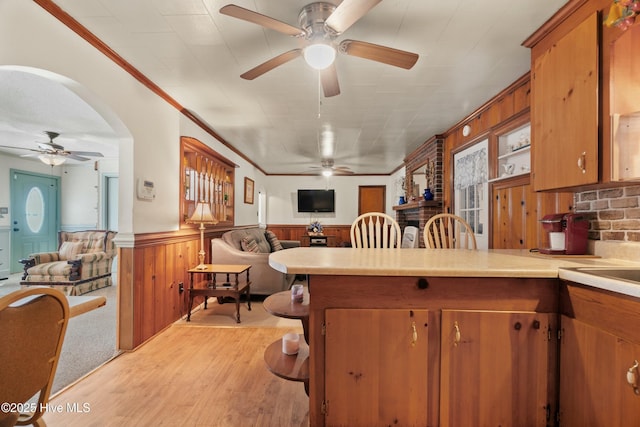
column 320, row 24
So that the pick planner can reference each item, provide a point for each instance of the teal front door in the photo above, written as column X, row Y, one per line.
column 35, row 215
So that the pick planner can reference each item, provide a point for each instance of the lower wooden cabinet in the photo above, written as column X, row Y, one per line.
column 378, row 361
column 599, row 350
column 594, row 390
column 497, row 368
column 447, row 351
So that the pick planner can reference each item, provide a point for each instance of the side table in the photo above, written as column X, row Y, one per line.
column 229, row 288
column 290, row 367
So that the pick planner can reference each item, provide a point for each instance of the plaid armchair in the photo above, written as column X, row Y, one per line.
column 82, row 263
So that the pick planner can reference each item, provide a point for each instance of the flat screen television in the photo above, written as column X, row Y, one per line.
column 316, row 201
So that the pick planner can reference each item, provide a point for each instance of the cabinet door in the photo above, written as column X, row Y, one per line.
column 564, row 110
column 593, row 385
column 497, row 368
column 376, row 367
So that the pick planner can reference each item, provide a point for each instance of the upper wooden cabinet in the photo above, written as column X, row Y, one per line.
column 208, row 177
column 564, row 109
column 624, row 62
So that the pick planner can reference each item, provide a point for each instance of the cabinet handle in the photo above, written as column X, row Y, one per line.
column 632, row 377
column 582, row 162
column 456, row 339
column 414, row 334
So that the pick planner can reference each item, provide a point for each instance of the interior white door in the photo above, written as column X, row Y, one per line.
column 471, row 189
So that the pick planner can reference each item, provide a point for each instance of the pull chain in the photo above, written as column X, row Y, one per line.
column 319, row 95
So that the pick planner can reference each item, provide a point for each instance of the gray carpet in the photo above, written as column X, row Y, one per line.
column 90, row 340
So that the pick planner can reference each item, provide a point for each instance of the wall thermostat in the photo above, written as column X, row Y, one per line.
column 146, row 189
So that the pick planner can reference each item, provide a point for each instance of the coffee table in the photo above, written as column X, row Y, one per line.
column 232, row 288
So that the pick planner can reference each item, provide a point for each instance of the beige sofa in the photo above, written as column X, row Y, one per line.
column 82, row 263
column 236, row 247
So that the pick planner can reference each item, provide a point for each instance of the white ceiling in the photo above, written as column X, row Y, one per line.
column 469, row 51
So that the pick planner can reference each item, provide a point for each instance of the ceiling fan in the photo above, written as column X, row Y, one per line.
column 320, row 24
column 54, row 154
column 328, row 168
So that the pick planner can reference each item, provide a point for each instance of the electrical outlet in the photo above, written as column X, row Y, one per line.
column 180, row 287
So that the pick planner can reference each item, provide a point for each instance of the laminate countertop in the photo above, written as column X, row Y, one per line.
column 439, row 262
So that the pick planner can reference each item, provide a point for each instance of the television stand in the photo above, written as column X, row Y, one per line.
column 318, row 240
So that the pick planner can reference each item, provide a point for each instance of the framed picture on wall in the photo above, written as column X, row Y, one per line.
column 248, row 190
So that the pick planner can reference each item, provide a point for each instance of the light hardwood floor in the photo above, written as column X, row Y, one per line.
column 187, row 376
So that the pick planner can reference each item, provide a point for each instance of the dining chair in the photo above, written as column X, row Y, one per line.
column 410, row 237
column 375, row 230
column 33, row 322
column 448, row 231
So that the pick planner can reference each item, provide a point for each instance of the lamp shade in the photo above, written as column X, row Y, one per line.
column 51, row 159
column 319, row 55
column 202, row 215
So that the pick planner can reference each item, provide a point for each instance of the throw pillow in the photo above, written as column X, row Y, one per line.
column 249, row 245
column 273, row 241
column 69, row 250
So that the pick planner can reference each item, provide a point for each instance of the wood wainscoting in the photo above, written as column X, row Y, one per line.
column 150, row 274
column 149, row 278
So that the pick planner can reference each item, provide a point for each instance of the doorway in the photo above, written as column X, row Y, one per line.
column 110, row 202
column 371, row 198
column 35, row 215
column 471, row 189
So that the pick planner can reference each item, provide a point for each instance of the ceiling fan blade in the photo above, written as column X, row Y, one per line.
column 374, row 52
column 86, row 153
column 19, row 148
column 329, row 79
column 271, row 64
column 257, row 18
column 347, row 13
column 76, row 157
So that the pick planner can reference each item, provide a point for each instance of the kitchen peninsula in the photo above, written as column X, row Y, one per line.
column 431, row 337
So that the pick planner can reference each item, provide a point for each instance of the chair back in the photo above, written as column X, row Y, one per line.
column 375, row 230
column 33, row 322
column 448, row 231
column 410, row 237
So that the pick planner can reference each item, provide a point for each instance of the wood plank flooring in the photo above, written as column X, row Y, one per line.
column 187, row 376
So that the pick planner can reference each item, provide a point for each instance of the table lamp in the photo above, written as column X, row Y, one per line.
column 202, row 215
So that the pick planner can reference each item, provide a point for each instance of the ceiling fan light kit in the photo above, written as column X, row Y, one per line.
column 319, row 55
column 51, row 159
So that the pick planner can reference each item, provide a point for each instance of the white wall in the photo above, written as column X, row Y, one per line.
column 282, row 197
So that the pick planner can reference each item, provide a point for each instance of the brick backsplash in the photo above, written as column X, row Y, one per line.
column 614, row 213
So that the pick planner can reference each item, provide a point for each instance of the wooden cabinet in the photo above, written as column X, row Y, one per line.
column 624, row 63
column 517, row 211
column 379, row 360
column 597, row 349
column 593, row 384
column 381, row 351
column 497, row 368
column 565, row 109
